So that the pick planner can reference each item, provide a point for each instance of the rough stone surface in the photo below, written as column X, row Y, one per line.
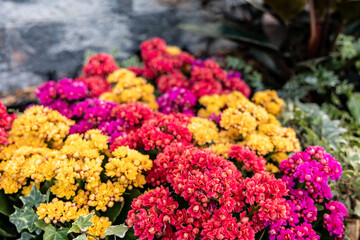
column 42, row 39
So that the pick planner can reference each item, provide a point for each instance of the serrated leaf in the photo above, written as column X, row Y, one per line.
column 34, row 198
column 82, row 223
column 6, row 207
column 81, row 237
column 52, row 234
column 24, row 218
column 26, row 236
column 133, row 61
column 41, row 224
column 117, row 230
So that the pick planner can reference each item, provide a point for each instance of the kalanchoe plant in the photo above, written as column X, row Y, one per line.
column 207, row 198
column 177, row 100
column 306, row 175
column 169, row 67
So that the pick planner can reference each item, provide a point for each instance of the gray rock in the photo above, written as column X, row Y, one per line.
column 42, row 40
column 12, row 80
column 4, row 50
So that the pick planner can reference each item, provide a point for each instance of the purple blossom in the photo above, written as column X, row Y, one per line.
column 46, row 92
column 81, row 127
column 233, row 74
column 62, row 107
column 306, row 175
column 177, row 100
column 70, row 90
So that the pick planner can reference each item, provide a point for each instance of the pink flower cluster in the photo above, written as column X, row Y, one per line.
column 95, row 71
column 61, row 95
column 182, row 70
column 153, row 130
column 100, row 65
column 313, row 167
column 6, row 121
column 219, row 203
column 252, row 162
column 207, row 78
column 306, row 175
column 96, row 85
column 334, row 219
column 157, row 60
column 177, row 100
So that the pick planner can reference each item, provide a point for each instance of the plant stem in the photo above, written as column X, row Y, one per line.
column 262, row 235
column 88, row 234
column 313, row 31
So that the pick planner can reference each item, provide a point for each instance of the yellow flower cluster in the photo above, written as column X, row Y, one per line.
column 99, row 227
column 59, row 211
column 269, row 100
column 127, row 165
column 174, row 50
column 76, row 169
column 40, row 126
column 203, row 131
column 129, row 88
column 248, row 124
column 26, row 163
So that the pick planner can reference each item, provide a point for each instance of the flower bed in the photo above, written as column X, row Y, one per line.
column 174, row 149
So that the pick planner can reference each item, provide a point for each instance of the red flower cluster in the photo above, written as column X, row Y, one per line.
column 95, row 71
column 216, row 197
column 97, row 85
column 156, row 220
column 101, row 65
column 175, row 68
column 151, row 130
column 252, row 162
column 6, row 121
column 158, row 60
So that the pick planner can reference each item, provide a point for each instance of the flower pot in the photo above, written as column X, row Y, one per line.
column 353, row 228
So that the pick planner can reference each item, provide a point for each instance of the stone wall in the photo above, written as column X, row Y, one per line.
column 46, row 39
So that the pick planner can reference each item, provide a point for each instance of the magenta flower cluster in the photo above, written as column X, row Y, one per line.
column 177, row 100
column 61, row 95
column 306, row 175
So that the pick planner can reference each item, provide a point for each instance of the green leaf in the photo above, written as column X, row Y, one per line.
column 117, row 230
column 24, row 218
column 52, row 234
column 357, row 208
column 81, row 237
column 27, row 236
column 129, row 196
column 232, row 32
column 319, row 207
column 82, row 223
column 3, row 233
column 6, row 207
column 41, row 224
column 287, row 9
column 133, row 61
column 257, row 5
column 349, row 9
column 113, row 212
column 353, row 105
column 34, row 198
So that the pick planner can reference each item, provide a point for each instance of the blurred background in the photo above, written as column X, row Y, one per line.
column 42, row 40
